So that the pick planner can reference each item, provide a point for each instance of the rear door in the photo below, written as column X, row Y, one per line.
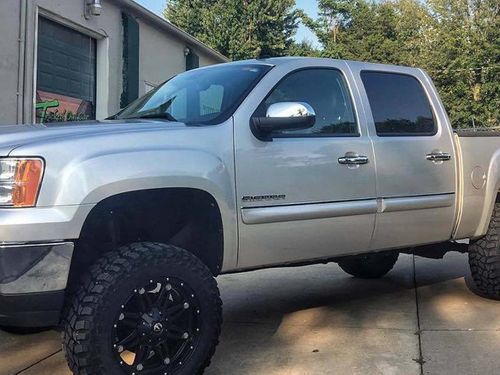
column 413, row 154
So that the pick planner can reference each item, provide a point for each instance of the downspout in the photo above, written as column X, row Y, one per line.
column 21, row 57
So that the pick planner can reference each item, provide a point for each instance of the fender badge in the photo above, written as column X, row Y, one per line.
column 260, row 198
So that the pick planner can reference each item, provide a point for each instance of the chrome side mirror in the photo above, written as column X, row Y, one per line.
column 283, row 116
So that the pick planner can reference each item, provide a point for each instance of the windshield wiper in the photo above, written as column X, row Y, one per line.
column 164, row 115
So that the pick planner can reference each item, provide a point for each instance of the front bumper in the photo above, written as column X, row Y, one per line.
column 31, row 310
column 33, row 278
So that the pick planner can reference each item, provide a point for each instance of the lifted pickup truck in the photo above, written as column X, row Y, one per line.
column 116, row 229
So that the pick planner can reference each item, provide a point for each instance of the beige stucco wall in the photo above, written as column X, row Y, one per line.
column 162, row 56
column 9, row 59
column 207, row 60
column 161, row 53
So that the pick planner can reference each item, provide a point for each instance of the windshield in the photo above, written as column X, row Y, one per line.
column 201, row 96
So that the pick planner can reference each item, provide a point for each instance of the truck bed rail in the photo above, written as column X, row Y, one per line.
column 479, row 132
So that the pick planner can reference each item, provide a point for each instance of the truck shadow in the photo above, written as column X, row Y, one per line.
column 318, row 320
column 290, row 321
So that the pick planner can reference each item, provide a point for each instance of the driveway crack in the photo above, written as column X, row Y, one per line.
column 36, row 363
column 420, row 360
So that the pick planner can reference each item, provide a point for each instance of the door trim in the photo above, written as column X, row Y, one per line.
column 275, row 214
column 416, row 203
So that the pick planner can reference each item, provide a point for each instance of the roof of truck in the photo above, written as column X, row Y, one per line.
column 287, row 59
column 320, row 61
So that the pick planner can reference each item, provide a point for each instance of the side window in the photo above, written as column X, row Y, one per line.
column 399, row 104
column 325, row 90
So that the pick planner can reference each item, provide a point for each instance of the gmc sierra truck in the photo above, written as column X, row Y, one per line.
column 116, row 229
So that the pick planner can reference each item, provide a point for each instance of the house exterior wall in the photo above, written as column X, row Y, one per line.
column 156, row 49
column 9, row 59
column 161, row 52
column 162, row 56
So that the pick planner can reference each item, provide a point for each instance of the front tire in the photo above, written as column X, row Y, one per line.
column 146, row 308
column 484, row 259
column 369, row 266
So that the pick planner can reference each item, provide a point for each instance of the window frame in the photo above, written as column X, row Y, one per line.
column 422, row 86
column 357, row 134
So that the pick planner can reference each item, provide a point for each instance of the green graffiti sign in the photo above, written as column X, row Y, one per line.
column 44, row 106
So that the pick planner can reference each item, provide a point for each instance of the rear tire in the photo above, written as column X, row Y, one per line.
column 369, row 266
column 147, row 307
column 484, row 260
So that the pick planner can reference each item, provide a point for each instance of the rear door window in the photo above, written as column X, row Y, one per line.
column 399, row 104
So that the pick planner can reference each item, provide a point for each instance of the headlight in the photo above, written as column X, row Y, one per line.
column 20, row 180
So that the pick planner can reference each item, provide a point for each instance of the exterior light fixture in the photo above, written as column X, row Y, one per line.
column 187, row 51
column 92, row 8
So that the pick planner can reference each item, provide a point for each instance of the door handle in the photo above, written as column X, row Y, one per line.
column 353, row 160
column 438, row 156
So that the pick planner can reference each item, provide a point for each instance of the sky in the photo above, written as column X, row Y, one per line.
column 303, row 33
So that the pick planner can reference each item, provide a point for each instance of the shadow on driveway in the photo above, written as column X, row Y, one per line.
column 318, row 320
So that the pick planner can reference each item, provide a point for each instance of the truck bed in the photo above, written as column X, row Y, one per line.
column 478, row 132
column 478, row 162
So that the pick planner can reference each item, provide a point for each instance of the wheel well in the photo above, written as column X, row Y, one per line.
column 188, row 218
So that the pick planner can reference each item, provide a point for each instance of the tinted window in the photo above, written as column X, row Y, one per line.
column 399, row 104
column 325, row 91
column 200, row 96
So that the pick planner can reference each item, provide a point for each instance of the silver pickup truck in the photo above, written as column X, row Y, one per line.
column 116, row 229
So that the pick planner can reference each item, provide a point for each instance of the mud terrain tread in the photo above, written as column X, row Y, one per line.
column 484, row 259
column 103, row 276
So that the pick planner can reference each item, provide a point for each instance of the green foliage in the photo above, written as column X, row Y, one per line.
column 456, row 41
column 238, row 29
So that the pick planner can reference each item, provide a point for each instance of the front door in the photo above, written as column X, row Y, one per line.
column 414, row 155
column 305, row 195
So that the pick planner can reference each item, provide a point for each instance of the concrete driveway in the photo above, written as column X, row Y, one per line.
column 318, row 320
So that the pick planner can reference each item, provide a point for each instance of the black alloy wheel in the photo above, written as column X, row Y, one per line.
column 158, row 327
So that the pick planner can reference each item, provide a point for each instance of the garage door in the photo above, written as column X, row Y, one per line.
column 66, row 74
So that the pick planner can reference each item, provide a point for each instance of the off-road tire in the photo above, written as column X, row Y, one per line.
column 369, row 266
column 484, row 259
column 88, row 325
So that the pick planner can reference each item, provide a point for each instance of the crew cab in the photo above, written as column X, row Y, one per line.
column 116, row 229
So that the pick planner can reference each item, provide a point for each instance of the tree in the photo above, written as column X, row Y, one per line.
column 238, row 29
column 456, row 41
column 360, row 30
column 463, row 57
column 303, row 48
